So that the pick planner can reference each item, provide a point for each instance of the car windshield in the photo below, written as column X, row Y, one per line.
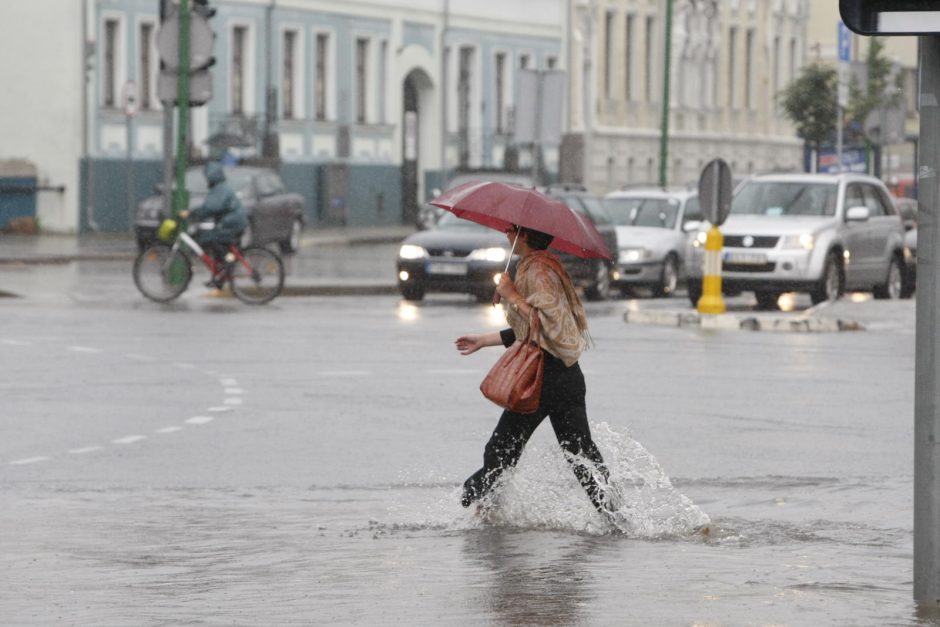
column 654, row 212
column 783, row 198
column 239, row 180
column 450, row 221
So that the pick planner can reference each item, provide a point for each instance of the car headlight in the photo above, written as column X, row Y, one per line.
column 632, row 255
column 494, row 254
column 804, row 240
column 410, row 251
column 699, row 240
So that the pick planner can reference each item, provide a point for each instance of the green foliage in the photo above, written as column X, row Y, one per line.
column 809, row 101
column 880, row 91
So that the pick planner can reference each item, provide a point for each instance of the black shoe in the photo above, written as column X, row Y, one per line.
column 215, row 283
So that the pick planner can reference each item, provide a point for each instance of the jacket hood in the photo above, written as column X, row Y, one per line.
column 215, row 173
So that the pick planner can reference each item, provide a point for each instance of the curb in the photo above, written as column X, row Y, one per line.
column 742, row 322
column 63, row 259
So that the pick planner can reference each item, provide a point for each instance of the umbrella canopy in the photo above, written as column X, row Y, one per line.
column 501, row 205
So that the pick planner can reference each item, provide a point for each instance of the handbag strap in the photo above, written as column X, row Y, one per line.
column 535, row 326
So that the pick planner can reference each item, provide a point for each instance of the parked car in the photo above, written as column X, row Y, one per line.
column 652, row 236
column 428, row 214
column 592, row 275
column 816, row 233
column 456, row 255
column 275, row 216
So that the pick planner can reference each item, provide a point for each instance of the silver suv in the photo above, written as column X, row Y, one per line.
column 816, row 233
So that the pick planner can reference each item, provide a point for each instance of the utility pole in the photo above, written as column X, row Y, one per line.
column 181, row 194
column 667, row 72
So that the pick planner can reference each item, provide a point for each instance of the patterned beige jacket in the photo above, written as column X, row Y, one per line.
column 545, row 285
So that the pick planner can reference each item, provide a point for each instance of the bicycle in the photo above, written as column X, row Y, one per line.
column 163, row 270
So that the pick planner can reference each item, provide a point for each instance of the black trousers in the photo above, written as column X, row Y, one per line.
column 562, row 400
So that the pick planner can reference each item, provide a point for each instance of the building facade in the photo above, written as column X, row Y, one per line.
column 363, row 106
column 728, row 60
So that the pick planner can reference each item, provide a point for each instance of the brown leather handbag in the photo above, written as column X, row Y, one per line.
column 515, row 380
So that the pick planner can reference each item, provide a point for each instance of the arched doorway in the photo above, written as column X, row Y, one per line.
column 415, row 91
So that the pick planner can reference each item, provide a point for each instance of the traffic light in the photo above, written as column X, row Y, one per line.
column 891, row 17
column 199, row 52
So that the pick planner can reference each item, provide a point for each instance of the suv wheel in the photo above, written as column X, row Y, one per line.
column 413, row 292
column 600, row 290
column 893, row 284
column 832, row 284
column 669, row 278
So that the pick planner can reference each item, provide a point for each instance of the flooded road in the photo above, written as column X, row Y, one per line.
column 211, row 464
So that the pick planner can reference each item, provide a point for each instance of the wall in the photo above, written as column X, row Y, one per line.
column 42, row 99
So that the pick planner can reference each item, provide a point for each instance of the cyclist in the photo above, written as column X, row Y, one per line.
column 223, row 206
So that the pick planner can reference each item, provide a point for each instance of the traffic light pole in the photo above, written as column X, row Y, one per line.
column 181, row 194
column 927, row 351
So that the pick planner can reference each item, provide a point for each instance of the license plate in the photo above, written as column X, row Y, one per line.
column 443, row 267
column 754, row 259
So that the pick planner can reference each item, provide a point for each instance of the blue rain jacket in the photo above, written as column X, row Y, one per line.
column 221, row 204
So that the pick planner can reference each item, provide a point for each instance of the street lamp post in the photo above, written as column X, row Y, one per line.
column 667, row 63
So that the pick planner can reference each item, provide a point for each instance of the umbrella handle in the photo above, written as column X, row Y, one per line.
column 508, row 261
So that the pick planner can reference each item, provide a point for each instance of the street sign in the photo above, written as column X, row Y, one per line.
column 129, row 98
column 714, row 191
column 845, row 43
column 891, row 17
column 201, row 39
column 200, row 87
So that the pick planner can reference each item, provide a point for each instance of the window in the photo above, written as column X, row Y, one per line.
column 500, row 71
column 110, row 63
column 320, row 85
column 146, row 66
column 648, row 55
column 383, row 60
column 608, row 53
column 874, row 202
column 732, row 56
column 524, row 60
column 749, row 69
column 628, row 59
column 287, row 79
column 239, row 35
column 464, row 83
column 776, row 67
column 551, row 62
column 362, row 77
column 793, row 67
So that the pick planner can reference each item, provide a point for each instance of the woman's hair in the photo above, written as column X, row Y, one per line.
column 536, row 239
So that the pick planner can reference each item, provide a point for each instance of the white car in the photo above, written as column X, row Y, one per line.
column 652, row 236
column 822, row 234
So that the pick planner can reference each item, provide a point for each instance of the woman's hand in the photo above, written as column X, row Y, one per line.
column 507, row 289
column 468, row 344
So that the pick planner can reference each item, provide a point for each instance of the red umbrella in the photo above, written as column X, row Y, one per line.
column 501, row 205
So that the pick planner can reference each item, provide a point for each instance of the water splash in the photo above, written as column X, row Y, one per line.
column 542, row 492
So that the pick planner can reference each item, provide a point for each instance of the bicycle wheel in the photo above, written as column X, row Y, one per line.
column 161, row 274
column 258, row 276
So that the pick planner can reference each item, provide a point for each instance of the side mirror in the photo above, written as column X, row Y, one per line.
column 857, row 214
column 691, row 225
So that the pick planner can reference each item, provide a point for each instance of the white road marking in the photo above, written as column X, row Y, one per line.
column 16, row 343
column 345, row 373
column 200, row 420
column 228, row 381
column 84, row 349
column 217, row 409
column 234, row 391
column 130, row 439
column 168, row 430
column 28, row 460
column 233, row 401
column 83, row 450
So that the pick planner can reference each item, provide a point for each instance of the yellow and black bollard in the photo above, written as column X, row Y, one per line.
column 711, row 301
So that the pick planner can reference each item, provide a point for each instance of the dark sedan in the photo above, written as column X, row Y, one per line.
column 275, row 216
column 455, row 256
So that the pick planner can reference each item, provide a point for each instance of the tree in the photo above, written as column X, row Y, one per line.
column 880, row 90
column 809, row 101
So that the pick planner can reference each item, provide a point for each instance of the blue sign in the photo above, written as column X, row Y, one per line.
column 845, row 42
